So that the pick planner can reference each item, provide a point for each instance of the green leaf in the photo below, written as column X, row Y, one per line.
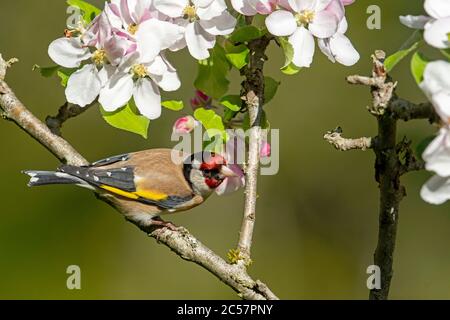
column 46, row 72
column 173, row 105
column 271, row 88
column 232, row 102
column 212, row 74
column 238, row 56
column 289, row 68
column 64, row 75
column 89, row 11
column 245, row 34
column 128, row 119
column 409, row 46
column 421, row 147
column 210, row 120
column 446, row 53
column 418, row 65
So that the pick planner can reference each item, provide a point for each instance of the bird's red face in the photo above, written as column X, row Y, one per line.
column 215, row 170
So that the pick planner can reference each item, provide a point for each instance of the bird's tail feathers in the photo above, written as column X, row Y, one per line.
column 42, row 178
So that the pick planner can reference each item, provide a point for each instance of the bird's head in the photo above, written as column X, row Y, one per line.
column 206, row 171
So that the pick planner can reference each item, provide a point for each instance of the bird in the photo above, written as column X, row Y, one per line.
column 147, row 184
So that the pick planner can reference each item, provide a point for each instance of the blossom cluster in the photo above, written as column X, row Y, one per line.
column 120, row 55
column 302, row 21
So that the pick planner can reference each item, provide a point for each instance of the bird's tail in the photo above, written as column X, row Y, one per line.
column 42, row 178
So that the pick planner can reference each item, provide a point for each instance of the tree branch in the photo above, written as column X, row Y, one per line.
column 181, row 242
column 253, row 89
column 343, row 144
column 66, row 112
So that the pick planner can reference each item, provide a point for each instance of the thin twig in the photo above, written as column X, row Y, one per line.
column 181, row 242
column 336, row 139
column 66, row 112
column 253, row 89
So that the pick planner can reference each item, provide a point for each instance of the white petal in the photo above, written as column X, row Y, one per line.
column 437, row 154
column 281, row 23
column 437, row 8
column 169, row 80
column 202, row 3
column 199, row 41
column 83, row 86
column 436, row 77
column 68, row 52
column 441, row 102
column 106, row 73
column 158, row 67
column 303, row 43
column 415, row 22
column 220, row 25
column 147, row 98
column 325, row 24
column 436, row 190
column 215, row 9
column 343, row 26
column 231, row 185
column 436, row 33
column 172, row 8
column 117, row 92
column 245, row 7
column 343, row 50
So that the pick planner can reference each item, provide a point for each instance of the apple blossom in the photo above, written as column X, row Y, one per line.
column 436, row 26
column 266, row 149
column 253, row 7
column 185, row 125
column 203, row 20
column 308, row 19
column 436, row 86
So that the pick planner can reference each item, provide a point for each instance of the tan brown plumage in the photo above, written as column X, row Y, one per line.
column 145, row 184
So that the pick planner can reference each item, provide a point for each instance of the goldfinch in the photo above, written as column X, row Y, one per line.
column 146, row 184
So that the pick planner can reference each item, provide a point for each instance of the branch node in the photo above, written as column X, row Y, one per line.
column 336, row 139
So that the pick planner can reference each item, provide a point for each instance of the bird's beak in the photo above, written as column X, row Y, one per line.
column 227, row 172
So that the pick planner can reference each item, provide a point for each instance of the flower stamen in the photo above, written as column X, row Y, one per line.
column 133, row 28
column 190, row 13
column 139, row 71
column 305, row 17
column 99, row 57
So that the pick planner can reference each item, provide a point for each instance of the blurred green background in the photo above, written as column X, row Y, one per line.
column 317, row 219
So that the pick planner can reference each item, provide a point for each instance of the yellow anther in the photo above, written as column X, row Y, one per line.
column 133, row 28
column 99, row 57
column 305, row 17
column 140, row 71
column 190, row 12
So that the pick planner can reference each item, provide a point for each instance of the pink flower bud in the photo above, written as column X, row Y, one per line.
column 266, row 149
column 185, row 125
column 266, row 6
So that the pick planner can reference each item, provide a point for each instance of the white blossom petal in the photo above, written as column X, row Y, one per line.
column 436, row 33
column 147, row 98
column 220, row 25
column 245, row 7
column 415, row 22
column 324, row 25
column 303, row 43
column 172, row 8
column 341, row 50
column 199, row 41
column 68, row 52
column 437, row 154
column 215, row 9
column 117, row 92
column 436, row 190
column 437, row 8
column 83, row 86
column 281, row 23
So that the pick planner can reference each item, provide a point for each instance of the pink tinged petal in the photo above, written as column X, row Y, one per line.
column 141, row 10
column 83, row 86
column 266, row 6
column 303, row 43
column 343, row 51
column 199, row 41
column 231, row 185
column 185, row 125
column 126, row 12
column 117, row 92
column 436, row 191
column 266, row 149
column 347, row 2
column 148, row 99
column 245, row 7
column 437, row 8
column 281, row 23
column 337, row 8
column 284, row 4
column 343, row 26
column 112, row 11
column 220, row 25
column 320, row 5
column 325, row 25
column 68, row 52
column 172, row 8
column 116, row 48
column 415, row 22
column 437, row 154
column 436, row 33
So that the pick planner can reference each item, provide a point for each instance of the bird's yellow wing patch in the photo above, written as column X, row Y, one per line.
column 146, row 194
column 119, row 192
column 151, row 195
